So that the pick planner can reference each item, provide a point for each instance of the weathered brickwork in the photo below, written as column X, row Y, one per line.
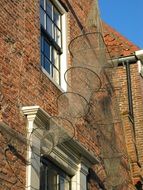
column 133, row 141
column 138, row 112
column 128, row 125
column 22, row 83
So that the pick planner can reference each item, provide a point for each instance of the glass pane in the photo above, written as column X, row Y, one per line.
column 67, row 185
column 56, row 75
column 42, row 18
column 49, row 26
column 57, row 17
column 42, row 59
column 49, row 8
column 47, row 50
column 47, row 65
column 64, row 183
column 42, row 177
column 56, row 59
column 42, row 43
column 42, row 2
column 52, row 180
column 57, row 36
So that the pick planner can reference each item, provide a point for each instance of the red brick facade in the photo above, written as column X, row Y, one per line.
column 134, row 141
column 22, row 83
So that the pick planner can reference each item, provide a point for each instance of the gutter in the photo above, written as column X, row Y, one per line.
column 131, row 59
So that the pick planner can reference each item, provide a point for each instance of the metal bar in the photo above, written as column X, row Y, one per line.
column 129, row 88
column 130, row 101
column 131, row 59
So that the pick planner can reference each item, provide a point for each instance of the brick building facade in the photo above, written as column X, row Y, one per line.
column 35, row 138
column 133, row 125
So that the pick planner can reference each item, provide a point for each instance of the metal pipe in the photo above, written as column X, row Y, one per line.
column 129, row 88
column 130, row 102
column 131, row 59
column 127, row 60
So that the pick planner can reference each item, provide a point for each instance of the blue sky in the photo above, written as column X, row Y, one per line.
column 126, row 16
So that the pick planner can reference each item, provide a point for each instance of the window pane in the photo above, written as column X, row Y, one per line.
column 56, row 59
column 42, row 177
column 49, row 26
column 42, row 44
column 47, row 65
column 49, row 8
column 57, row 17
column 52, row 180
column 64, row 183
column 42, row 3
column 42, row 17
column 55, row 178
column 67, row 185
column 47, row 50
column 42, row 59
column 56, row 75
column 57, row 36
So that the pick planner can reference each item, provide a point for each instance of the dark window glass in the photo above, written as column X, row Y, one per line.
column 42, row 17
column 42, row 3
column 53, row 178
column 47, row 65
column 47, row 51
column 49, row 26
column 49, row 8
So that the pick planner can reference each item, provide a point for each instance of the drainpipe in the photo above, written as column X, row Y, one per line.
column 129, row 88
column 136, row 58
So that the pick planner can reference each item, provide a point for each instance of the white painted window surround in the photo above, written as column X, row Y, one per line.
column 70, row 156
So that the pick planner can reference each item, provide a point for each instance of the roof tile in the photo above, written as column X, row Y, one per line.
column 117, row 44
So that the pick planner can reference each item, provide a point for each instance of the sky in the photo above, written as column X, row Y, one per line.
column 126, row 16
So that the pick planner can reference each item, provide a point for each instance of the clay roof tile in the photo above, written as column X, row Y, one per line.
column 116, row 43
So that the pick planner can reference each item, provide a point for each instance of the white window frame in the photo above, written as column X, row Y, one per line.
column 63, row 56
column 70, row 156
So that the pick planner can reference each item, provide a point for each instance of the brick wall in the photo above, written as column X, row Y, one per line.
column 23, row 84
column 138, row 112
column 133, row 141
